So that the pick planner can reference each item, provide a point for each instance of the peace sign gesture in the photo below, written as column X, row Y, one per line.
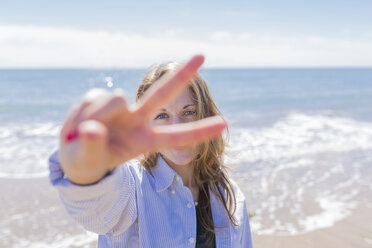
column 102, row 131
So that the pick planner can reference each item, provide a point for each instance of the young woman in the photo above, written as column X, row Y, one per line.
column 178, row 194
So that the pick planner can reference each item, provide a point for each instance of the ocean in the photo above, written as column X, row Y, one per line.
column 300, row 139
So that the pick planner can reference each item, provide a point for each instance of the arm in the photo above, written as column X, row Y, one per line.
column 107, row 206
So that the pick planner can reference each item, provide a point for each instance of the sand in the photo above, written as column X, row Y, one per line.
column 353, row 231
column 31, row 215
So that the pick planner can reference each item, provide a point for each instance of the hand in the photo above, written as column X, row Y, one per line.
column 109, row 132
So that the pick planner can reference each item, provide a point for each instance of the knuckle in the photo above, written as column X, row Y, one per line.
column 74, row 108
column 118, row 92
column 85, row 102
column 95, row 93
column 140, row 110
column 118, row 100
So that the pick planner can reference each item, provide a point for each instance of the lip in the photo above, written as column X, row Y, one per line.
column 180, row 148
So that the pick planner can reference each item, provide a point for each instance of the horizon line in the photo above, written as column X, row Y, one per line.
column 203, row 68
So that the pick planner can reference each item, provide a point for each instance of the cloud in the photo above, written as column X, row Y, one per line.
column 220, row 36
column 35, row 46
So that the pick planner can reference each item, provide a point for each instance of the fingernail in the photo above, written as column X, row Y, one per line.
column 72, row 135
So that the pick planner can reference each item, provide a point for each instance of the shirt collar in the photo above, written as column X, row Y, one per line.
column 163, row 174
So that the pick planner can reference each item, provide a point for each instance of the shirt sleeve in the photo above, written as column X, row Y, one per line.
column 109, row 206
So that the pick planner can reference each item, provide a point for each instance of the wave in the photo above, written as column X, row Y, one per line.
column 303, row 173
column 298, row 135
column 24, row 148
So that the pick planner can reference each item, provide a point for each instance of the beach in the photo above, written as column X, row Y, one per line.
column 355, row 230
column 32, row 216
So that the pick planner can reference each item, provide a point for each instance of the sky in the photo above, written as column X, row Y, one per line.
column 136, row 34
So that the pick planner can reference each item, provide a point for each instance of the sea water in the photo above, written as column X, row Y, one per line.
column 300, row 139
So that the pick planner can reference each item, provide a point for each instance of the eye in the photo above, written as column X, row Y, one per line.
column 161, row 116
column 189, row 112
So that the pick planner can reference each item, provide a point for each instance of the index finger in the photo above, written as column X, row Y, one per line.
column 168, row 87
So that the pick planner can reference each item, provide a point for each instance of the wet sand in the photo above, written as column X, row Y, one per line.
column 31, row 215
column 354, row 231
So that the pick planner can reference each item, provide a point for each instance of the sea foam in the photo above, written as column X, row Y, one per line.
column 303, row 173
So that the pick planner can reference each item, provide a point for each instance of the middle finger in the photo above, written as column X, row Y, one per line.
column 188, row 133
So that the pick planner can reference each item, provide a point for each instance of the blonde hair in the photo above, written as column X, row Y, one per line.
column 209, row 168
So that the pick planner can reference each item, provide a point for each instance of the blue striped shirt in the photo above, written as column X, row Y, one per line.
column 132, row 208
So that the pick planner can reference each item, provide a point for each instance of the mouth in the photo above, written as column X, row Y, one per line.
column 180, row 148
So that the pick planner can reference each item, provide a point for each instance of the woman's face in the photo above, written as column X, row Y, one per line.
column 181, row 110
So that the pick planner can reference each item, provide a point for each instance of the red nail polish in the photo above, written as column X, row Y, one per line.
column 72, row 135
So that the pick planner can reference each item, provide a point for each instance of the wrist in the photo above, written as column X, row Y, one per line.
column 89, row 181
column 86, row 176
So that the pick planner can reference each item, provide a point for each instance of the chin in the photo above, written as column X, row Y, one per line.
column 179, row 156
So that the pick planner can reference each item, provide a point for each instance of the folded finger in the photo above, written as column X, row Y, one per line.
column 112, row 108
column 74, row 116
column 93, row 136
column 71, row 120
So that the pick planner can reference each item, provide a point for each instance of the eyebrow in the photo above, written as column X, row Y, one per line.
column 186, row 106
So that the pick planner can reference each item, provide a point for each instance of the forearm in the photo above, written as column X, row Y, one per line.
column 97, row 207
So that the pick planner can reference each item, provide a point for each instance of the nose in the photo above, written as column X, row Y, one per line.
column 177, row 120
